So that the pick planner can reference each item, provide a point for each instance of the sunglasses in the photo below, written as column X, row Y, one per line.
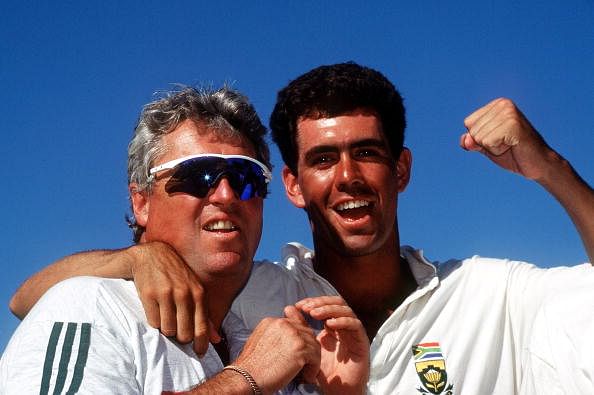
column 197, row 174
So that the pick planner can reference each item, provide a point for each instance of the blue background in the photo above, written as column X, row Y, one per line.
column 74, row 76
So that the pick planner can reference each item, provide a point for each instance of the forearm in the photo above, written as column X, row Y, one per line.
column 227, row 382
column 102, row 263
column 576, row 197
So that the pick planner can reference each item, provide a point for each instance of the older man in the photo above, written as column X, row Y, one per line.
column 198, row 170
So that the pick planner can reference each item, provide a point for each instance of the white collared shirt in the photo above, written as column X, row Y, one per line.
column 479, row 326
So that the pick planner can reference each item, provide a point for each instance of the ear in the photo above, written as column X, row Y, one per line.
column 140, row 204
column 403, row 168
column 292, row 188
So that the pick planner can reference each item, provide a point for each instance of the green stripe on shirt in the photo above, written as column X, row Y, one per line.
column 49, row 357
column 81, row 359
column 65, row 358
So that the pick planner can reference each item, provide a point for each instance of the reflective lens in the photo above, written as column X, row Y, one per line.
column 197, row 175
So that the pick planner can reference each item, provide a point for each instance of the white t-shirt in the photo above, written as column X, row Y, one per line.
column 89, row 335
column 269, row 289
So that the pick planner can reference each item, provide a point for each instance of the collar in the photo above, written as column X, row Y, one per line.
column 423, row 270
column 295, row 254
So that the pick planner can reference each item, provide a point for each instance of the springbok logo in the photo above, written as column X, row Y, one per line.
column 430, row 366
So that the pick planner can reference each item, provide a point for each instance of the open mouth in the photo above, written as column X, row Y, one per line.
column 220, row 226
column 353, row 209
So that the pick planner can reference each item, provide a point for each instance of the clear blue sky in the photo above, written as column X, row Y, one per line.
column 74, row 75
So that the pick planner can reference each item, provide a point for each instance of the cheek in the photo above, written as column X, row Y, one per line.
column 316, row 185
column 254, row 218
column 176, row 212
column 254, row 211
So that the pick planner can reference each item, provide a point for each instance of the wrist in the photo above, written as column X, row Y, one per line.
column 132, row 256
column 559, row 174
column 249, row 383
column 554, row 168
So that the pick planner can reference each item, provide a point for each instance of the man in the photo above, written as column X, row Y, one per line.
column 198, row 170
column 476, row 326
column 459, row 327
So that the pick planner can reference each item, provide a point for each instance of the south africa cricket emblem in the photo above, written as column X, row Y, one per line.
column 431, row 368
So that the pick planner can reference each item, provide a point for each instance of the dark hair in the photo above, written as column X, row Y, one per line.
column 329, row 91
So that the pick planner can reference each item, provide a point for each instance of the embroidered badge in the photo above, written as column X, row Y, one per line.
column 430, row 366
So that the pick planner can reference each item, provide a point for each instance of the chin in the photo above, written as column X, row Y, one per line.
column 358, row 246
column 227, row 263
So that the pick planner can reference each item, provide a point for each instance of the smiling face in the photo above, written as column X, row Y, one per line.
column 216, row 235
column 348, row 182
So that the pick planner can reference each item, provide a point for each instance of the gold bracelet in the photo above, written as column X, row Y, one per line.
column 255, row 389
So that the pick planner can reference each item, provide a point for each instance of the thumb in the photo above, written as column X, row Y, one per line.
column 468, row 143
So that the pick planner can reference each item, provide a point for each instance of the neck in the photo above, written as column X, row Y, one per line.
column 219, row 295
column 373, row 285
column 218, row 305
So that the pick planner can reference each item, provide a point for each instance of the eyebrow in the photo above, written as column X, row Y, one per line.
column 320, row 149
column 368, row 143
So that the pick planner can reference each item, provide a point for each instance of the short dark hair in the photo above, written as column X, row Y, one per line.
column 329, row 91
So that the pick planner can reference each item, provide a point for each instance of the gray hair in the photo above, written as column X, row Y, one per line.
column 224, row 110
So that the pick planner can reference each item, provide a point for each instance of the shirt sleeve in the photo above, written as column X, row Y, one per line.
column 531, row 289
column 553, row 317
column 559, row 354
column 62, row 347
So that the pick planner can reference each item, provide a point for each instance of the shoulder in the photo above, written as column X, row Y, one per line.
column 267, row 280
column 75, row 327
column 86, row 288
column 525, row 284
column 294, row 273
column 85, row 299
column 484, row 267
column 295, row 264
column 90, row 284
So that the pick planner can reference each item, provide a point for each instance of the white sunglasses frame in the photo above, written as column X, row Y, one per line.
column 173, row 163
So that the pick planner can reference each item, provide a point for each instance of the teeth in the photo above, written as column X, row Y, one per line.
column 352, row 204
column 220, row 225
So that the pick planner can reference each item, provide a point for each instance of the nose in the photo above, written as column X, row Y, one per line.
column 348, row 172
column 222, row 193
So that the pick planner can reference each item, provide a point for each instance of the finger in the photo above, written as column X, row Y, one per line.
column 484, row 125
column 499, row 128
column 470, row 120
column 168, row 318
column 184, row 320
column 203, row 330
column 469, row 144
column 331, row 311
column 496, row 137
column 294, row 315
column 213, row 334
column 151, row 310
column 344, row 323
column 310, row 303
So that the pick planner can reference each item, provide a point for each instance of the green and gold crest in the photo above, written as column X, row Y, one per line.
column 431, row 369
